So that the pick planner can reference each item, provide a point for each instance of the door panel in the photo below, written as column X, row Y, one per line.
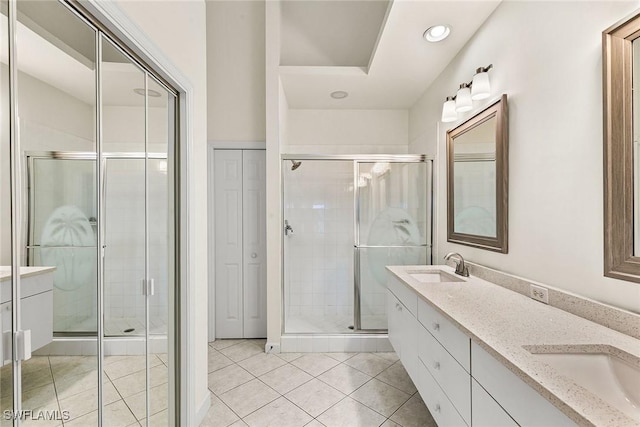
column 228, row 250
column 6, row 238
column 56, row 111
column 254, row 242
column 392, row 229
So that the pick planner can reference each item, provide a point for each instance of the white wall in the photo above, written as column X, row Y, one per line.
column 347, row 131
column 547, row 59
column 236, row 72
column 178, row 28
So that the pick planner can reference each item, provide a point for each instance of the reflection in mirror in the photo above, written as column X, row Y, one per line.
column 477, row 155
column 474, row 156
column 56, row 113
column 621, row 72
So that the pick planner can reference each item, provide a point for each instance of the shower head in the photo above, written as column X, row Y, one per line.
column 295, row 165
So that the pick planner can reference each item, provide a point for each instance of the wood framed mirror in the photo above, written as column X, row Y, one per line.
column 477, row 180
column 621, row 73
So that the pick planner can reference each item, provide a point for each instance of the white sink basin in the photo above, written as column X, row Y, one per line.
column 434, row 276
column 614, row 380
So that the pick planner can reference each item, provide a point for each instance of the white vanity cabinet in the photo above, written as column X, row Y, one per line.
column 443, row 382
column 525, row 405
column 461, row 384
column 486, row 411
column 403, row 327
column 447, row 372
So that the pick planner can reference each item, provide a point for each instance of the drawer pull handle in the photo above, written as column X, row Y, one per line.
column 436, row 365
column 436, row 326
column 437, row 409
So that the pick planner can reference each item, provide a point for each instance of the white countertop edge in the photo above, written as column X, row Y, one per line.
column 506, row 343
column 5, row 272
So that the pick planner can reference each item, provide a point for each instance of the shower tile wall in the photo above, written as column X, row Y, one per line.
column 319, row 266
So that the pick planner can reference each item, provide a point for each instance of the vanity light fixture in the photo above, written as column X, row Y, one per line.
column 449, row 110
column 463, row 98
column 477, row 89
column 480, row 86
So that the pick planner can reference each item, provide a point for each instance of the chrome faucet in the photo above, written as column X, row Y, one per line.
column 461, row 269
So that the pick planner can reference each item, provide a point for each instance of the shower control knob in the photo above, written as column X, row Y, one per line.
column 254, row 255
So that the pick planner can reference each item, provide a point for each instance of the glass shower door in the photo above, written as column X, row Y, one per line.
column 62, row 232
column 393, row 228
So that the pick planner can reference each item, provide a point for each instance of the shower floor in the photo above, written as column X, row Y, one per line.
column 118, row 326
column 334, row 324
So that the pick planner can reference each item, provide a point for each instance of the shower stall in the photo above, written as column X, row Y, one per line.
column 62, row 231
column 345, row 219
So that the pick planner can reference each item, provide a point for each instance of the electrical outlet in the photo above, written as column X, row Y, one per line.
column 539, row 293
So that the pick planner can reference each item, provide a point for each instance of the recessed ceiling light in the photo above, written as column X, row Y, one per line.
column 151, row 92
column 339, row 94
column 437, row 33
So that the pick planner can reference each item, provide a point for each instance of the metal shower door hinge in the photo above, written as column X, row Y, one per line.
column 148, row 287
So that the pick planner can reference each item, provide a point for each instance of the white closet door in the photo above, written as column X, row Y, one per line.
column 228, row 243
column 254, row 223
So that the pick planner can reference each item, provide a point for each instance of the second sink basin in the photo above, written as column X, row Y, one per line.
column 434, row 276
column 614, row 380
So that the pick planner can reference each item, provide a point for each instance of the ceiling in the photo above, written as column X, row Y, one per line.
column 321, row 33
column 66, row 61
column 401, row 64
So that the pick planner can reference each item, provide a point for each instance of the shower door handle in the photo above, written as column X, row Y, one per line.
column 148, row 287
column 287, row 228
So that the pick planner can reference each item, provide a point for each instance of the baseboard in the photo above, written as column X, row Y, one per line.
column 272, row 347
column 204, row 408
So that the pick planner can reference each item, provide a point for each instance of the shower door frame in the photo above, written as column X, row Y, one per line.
column 356, row 159
column 29, row 158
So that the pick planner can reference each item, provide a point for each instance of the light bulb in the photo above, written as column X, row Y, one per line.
column 463, row 99
column 449, row 110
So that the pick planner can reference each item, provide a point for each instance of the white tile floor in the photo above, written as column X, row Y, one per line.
column 70, row 383
column 249, row 387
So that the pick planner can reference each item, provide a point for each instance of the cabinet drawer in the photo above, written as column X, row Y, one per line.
column 406, row 296
column 525, row 405
column 447, row 372
column 486, row 411
column 442, row 410
column 451, row 338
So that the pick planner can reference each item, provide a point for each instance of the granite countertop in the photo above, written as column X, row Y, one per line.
column 506, row 323
column 5, row 271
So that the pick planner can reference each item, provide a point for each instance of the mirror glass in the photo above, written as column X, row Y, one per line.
column 474, row 156
column 477, row 179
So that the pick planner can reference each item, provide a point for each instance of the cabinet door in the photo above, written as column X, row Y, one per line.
column 525, row 405
column 486, row 412
column 394, row 316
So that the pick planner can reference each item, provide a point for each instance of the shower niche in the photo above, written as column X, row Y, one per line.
column 345, row 219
